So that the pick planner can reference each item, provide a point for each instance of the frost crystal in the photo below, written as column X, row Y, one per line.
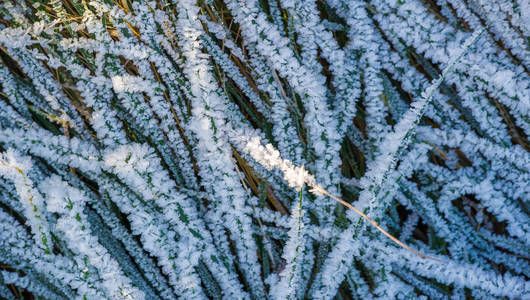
column 264, row 149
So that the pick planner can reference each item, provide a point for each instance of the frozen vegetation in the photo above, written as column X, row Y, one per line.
column 265, row 149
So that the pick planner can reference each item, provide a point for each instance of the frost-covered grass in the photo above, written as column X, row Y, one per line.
column 265, row 149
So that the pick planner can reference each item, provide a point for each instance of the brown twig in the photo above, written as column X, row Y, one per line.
column 319, row 190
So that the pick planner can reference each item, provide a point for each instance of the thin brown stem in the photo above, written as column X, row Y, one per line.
column 320, row 190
